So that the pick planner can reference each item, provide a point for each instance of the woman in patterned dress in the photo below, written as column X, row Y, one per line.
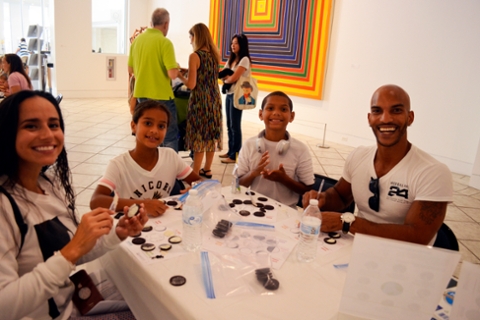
column 204, row 118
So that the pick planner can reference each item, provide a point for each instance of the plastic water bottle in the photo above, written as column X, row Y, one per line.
column 309, row 231
column 192, row 221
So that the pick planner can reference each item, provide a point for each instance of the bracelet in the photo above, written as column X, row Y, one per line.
column 70, row 264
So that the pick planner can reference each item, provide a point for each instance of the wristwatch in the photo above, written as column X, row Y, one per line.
column 347, row 219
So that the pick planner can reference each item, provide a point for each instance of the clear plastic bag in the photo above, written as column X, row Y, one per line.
column 226, row 275
column 210, row 191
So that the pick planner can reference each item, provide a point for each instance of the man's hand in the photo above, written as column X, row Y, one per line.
column 312, row 194
column 331, row 222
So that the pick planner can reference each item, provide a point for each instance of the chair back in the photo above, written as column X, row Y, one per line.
column 446, row 239
column 59, row 98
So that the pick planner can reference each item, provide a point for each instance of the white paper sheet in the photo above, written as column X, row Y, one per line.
column 466, row 304
column 388, row 279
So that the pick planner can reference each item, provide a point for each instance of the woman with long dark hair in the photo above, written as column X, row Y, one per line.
column 41, row 239
column 240, row 62
column 17, row 77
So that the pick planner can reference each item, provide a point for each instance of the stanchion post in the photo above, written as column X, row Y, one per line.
column 323, row 142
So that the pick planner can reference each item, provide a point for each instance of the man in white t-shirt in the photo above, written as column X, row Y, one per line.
column 401, row 192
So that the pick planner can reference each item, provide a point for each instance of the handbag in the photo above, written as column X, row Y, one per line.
column 245, row 93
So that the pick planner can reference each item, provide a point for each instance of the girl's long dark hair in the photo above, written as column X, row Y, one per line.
column 9, row 114
column 16, row 65
column 243, row 52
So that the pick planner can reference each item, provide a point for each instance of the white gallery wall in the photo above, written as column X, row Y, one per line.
column 431, row 48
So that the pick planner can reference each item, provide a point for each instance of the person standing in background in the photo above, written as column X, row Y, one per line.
column 152, row 62
column 204, row 118
column 240, row 62
column 22, row 50
column 17, row 77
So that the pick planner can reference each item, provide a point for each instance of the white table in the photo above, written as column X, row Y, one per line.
column 307, row 290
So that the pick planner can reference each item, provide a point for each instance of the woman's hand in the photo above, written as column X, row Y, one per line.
column 131, row 226
column 93, row 225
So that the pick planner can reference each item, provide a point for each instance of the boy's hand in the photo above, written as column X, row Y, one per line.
column 264, row 161
column 275, row 175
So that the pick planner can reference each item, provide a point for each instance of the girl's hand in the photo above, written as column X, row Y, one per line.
column 131, row 226
column 155, row 207
column 92, row 226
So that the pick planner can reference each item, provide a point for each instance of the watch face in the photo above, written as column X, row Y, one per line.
column 348, row 217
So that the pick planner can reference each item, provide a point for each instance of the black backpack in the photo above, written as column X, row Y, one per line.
column 18, row 217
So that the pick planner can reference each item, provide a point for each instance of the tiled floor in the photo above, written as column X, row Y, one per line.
column 97, row 130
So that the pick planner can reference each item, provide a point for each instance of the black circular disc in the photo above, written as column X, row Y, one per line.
column 251, row 192
column 272, row 284
column 231, row 205
column 237, row 201
column 247, row 201
column 259, row 214
column 263, row 199
column 137, row 235
column 133, row 210
column 172, row 203
column 334, row 235
column 147, row 229
column 118, row 215
column 218, row 233
column 174, row 239
column 268, row 207
column 138, row 241
column 177, row 281
column 165, row 246
column 244, row 213
column 147, row 246
column 260, row 205
column 330, row 241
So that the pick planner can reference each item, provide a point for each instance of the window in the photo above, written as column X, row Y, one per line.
column 109, row 26
column 15, row 18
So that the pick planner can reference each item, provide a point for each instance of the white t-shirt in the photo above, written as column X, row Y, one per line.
column 129, row 180
column 244, row 62
column 296, row 161
column 417, row 177
column 26, row 280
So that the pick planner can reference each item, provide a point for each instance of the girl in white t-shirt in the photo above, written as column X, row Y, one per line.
column 240, row 62
column 146, row 173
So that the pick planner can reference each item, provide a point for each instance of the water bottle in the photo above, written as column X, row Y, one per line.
column 309, row 231
column 192, row 221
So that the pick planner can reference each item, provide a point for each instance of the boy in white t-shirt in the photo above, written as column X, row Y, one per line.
column 146, row 173
column 273, row 163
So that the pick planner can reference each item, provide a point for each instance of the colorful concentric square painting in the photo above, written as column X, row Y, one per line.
column 288, row 40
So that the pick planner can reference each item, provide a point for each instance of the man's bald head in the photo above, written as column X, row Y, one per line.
column 392, row 91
